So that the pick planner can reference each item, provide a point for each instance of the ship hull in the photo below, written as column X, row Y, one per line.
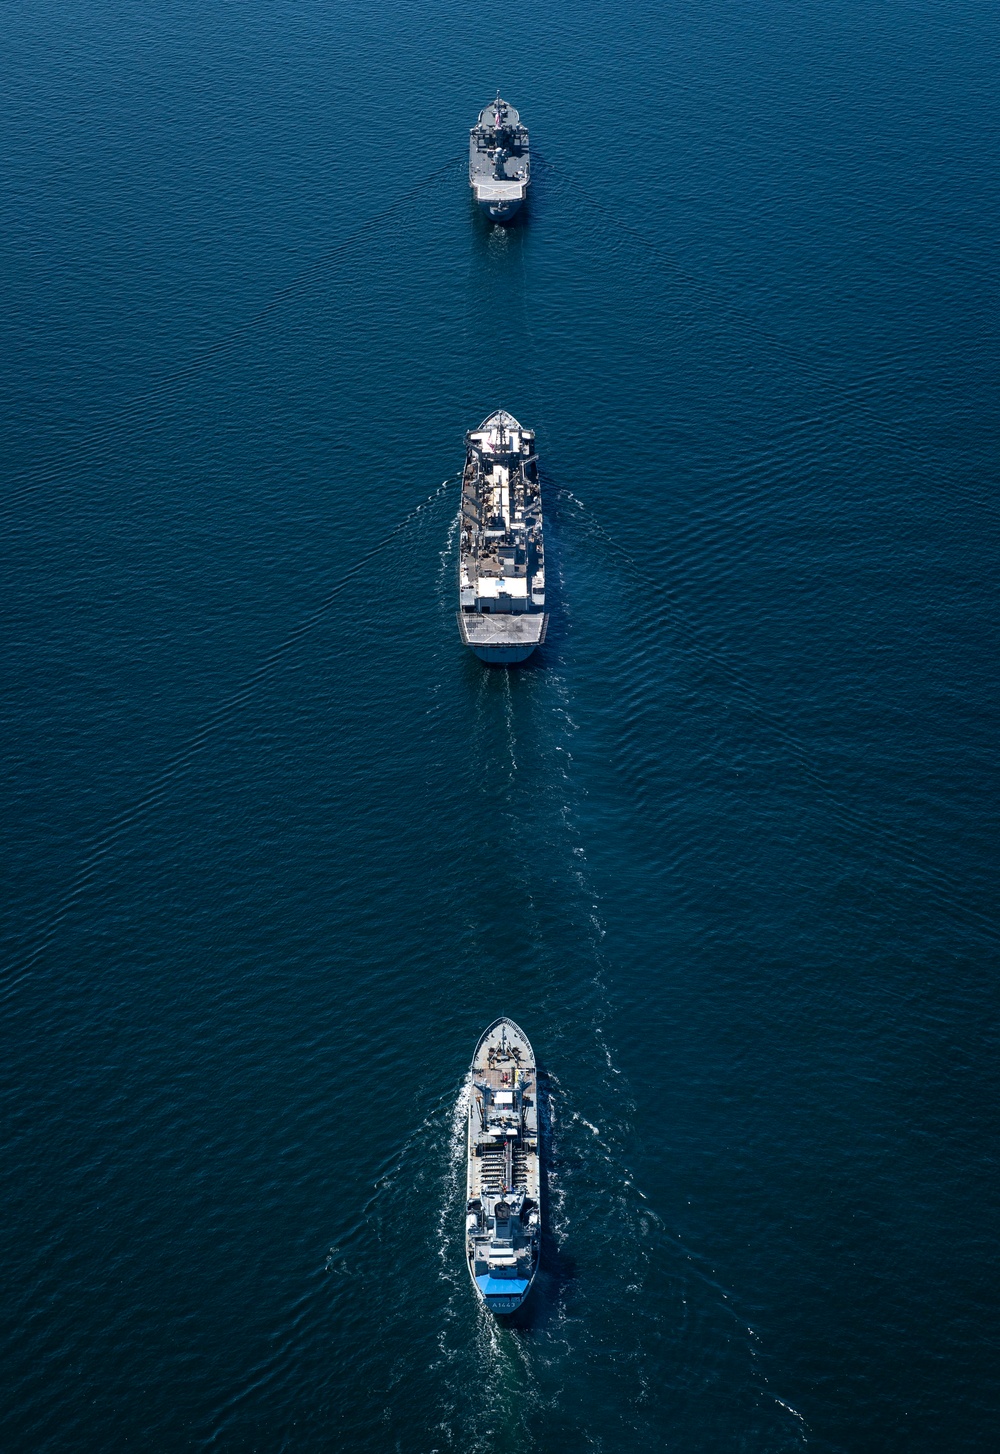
column 503, row 1194
column 501, row 564
column 499, row 161
column 502, row 212
column 503, row 655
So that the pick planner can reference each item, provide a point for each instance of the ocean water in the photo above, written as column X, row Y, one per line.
column 277, row 848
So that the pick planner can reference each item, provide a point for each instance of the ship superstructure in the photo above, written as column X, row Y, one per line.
column 502, row 550
column 503, row 1199
column 499, row 160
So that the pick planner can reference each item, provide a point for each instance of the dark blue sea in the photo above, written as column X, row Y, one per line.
column 277, row 847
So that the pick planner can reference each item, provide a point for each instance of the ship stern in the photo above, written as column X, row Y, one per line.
column 503, row 639
column 499, row 198
column 502, row 1295
column 501, row 210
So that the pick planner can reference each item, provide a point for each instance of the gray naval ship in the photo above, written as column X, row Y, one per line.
column 501, row 564
column 503, row 1205
column 499, row 161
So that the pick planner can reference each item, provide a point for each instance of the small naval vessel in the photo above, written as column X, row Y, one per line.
column 499, row 162
column 501, row 562
column 503, row 1205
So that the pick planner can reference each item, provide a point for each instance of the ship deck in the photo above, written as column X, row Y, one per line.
column 526, row 628
column 490, row 188
column 494, row 1077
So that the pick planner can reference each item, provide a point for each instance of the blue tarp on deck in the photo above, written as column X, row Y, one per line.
column 501, row 1286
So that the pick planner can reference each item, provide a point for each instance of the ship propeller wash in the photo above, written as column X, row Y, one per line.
column 501, row 564
column 499, row 160
column 503, row 1206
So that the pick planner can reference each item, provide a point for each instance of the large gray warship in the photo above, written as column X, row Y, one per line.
column 501, row 564
column 499, row 160
column 503, row 1198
